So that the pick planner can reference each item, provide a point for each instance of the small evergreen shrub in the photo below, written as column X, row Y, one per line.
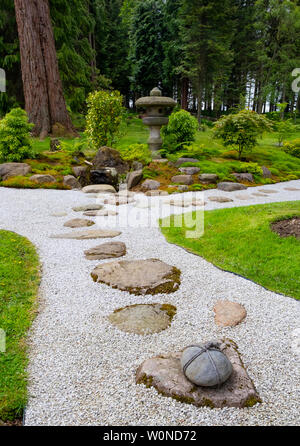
column 136, row 152
column 181, row 130
column 15, row 143
column 292, row 149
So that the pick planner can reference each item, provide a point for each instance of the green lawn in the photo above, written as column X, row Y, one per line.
column 240, row 240
column 19, row 280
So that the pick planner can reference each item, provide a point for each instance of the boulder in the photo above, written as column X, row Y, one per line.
column 220, row 199
column 98, row 188
column 8, row 170
column 183, row 179
column 185, row 160
column 82, row 173
column 208, row 178
column 108, row 157
column 134, row 178
column 266, row 172
column 41, row 179
column 139, row 277
column 106, row 251
column 189, row 170
column 165, row 374
column 143, row 319
column 88, row 235
column 78, row 223
column 150, row 185
column 71, row 182
column 229, row 314
column 230, row 187
column 88, row 207
column 106, row 175
column 244, row 177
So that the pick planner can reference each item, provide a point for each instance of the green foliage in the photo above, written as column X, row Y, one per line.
column 104, row 117
column 181, row 130
column 149, row 173
column 284, row 129
column 15, row 144
column 253, row 168
column 241, row 130
column 75, row 147
column 292, row 149
column 136, row 152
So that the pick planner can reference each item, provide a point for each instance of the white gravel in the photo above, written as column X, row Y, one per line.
column 82, row 369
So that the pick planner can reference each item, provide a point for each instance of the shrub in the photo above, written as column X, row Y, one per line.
column 284, row 129
column 241, row 130
column 136, row 152
column 15, row 144
column 76, row 147
column 181, row 129
column 104, row 117
column 291, row 149
column 253, row 168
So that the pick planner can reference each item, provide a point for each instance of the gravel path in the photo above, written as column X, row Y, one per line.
column 82, row 369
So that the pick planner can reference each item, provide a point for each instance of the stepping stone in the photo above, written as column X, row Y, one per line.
column 257, row 194
column 88, row 235
column 118, row 201
column 78, row 223
column 178, row 202
column 220, row 199
column 292, row 189
column 196, row 202
column 243, row 197
column 102, row 213
column 139, row 277
column 156, row 193
column 268, row 191
column 230, row 187
column 229, row 314
column 106, row 251
column 88, row 207
column 125, row 193
column 98, row 188
column 165, row 374
column 143, row 319
column 145, row 204
column 59, row 214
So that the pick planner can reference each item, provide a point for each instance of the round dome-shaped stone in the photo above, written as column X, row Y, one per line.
column 155, row 92
column 205, row 365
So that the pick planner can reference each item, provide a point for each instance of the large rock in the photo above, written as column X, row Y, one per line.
column 230, row 187
column 244, row 177
column 106, row 175
column 42, row 179
column 107, row 157
column 208, row 178
column 71, row 181
column 143, row 319
column 98, row 188
column 139, row 276
column 88, row 234
column 181, row 161
column 134, row 178
column 266, row 172
column 82, row 173
column 165, row 374
column 189, row 170
column 78, row 223
column 106, row 251
column 183, row 179
column 150, row 185
column 8, row 170
column 229, row 314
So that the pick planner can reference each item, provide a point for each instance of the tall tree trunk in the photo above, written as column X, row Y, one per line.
column 184, row 93
column 43, row 92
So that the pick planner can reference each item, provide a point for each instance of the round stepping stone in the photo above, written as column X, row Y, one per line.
column 78, row 223
column 257, row 194
column 268, row 191
column 59, row 214
column 156, row 193
column 88, row 235
column 292, row 189
column 98, row 188
column 229, row 314
column 102, row 213
column 243, row 197
column 118, row 201
column 139, row 277
column 143, row 319
column 165, row 374
column 195, row 202
column 220, row 199
column 106, row 251
column 88, row 207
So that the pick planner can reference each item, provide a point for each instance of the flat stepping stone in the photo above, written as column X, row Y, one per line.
column 195, row 202
column 139, row 277
column 292, row 189
column 164, row 373
column 257, row 194
column 88, row 207
column 98, row 188
column 268, row 191
column 220, row 199
column 243, row 197
column 106, row 251
column 88, row 235
column 178, row 202
column 118, row 201
column 78, row 223
column 59, row 214
column 230, row 187
column 102, row 213
column 229, row 314
column 156, row 193
column 143, row 319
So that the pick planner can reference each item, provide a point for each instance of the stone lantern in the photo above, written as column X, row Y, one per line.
column 157, row 108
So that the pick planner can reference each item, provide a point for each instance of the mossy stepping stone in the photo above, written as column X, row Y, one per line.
column 78, row 223
column 139, row 277
column 106, row 251
column 143, row 319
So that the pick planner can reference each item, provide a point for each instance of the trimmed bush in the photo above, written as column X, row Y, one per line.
column 181, row 130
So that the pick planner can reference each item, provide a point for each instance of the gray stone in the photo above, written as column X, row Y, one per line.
column 102, row 213
column 156, row 193
column 106, row 251
column 134, row 178
column 292, row 189
column 119, row 200
column 208, row 178
column 181, row 161
column 106, row 175
column 220, row 199
column 229, row 314
column 8, row 170
column 78, row 223
column 257, row 194
column 82, row 173
column 108, row 157
column 41, row 179
column 266, row 172
column 143, row 319
column 189, row 170
column 88, row 207
column 98, row 188
column 150, row 185
column 139, row 277
column 244, row 177
column 164, row 373
column 136, row 165
column 205, row 365
column 88, row 235
column 183, row 179
column 229, row 187
column 268, row 191
column 183, row 188
column 71, row 182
